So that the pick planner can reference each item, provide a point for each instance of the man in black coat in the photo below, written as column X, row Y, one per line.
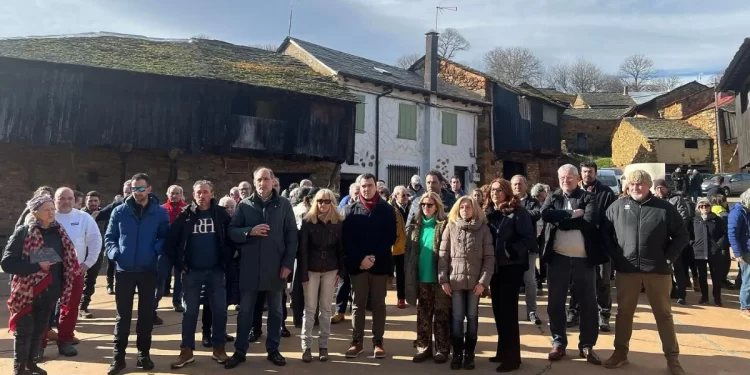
column 604, row 196
column 645, row 236
column 572, row 251
column 369, row 232
column 519, row 185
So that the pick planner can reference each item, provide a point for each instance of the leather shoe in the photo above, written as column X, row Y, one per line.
column 557, row 353
column 234, row 361
column 277, row 358
column 590, row 356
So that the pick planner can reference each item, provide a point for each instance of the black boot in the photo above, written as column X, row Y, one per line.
column 458, row 353
column 19, row 368
column 33, row 369
column 469, row 347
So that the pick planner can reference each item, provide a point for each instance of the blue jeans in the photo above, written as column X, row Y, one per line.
column 245, row 319
column 216, row 293
column 465, row 305
column 164, row 269
column 745, row 288
column 559, row 271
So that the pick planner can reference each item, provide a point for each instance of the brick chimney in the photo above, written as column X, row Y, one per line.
column 625, row 90
column 431, row 62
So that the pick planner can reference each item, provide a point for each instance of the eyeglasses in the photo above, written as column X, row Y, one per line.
column 428, row 205
column 139, row 189
column 324, row 201
column 704, row 206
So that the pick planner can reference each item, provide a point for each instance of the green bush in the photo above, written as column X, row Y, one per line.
column 604, row 163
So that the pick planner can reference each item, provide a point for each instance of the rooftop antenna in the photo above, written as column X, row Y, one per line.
column 291, row 11
column 439, row 10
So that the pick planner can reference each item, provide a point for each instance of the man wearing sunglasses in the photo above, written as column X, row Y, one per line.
column 434, row 183
column 134, row 241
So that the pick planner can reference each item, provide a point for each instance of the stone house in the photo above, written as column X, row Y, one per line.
column 89, row 111
column 653, row 107
column 589, row 131
column 408, row 122
column 518, row 134
column 676, row 143
column 736, row 80
column 607, row 100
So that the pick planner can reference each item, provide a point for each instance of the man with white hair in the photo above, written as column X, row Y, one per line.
column 572, row 251
column 246, row 190
column 305, row 183
column 645, row 236
column 84, row 233
column 415, row 187
column 234, row 193
column 519, row 186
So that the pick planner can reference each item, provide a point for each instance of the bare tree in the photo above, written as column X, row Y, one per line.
column 452, row 42
column 611, row 83
column 514, row 65
column 407, row 60
column 638, row 71
column 558, row 76
column 585, row 76
column 664, row 83
column 267, row 47
column 202, row 36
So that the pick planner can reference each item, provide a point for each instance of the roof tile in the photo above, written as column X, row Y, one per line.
column 595, row 113
column 666, row 129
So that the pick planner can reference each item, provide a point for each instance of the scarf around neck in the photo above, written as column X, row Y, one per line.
column 368, row 204
column 24, row 289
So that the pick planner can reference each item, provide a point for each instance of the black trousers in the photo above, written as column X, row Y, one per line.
column 111, row 268
column 603, row 292
column 89, row 285
column 30, row 328
column 715, row 265
column 398, row 264
column 127, row 282
column 257, row 326
column 505, row 285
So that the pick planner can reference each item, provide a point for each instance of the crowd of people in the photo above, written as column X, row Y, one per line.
column 446, row 248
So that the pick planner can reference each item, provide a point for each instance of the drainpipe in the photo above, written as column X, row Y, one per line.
column 377, row 129
column 718, row 132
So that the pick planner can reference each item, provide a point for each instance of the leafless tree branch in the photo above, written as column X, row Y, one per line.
column 451, row 42
column 407, row 60
column 514, row 65
column 638, row 71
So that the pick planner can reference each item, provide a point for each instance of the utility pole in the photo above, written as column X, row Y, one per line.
column 439, row 10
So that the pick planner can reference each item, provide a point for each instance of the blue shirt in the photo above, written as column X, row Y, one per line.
column 202, row 245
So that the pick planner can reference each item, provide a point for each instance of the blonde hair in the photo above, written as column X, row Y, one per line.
column 477, row 215
column 639, row 176
column 333, row 215
column 439, row 206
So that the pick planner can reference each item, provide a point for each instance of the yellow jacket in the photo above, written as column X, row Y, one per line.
column 399, row 247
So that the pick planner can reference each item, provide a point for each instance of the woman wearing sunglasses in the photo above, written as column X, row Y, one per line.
column 513, row 238
column 422, row 289
column 710, row 247
column 321, row 264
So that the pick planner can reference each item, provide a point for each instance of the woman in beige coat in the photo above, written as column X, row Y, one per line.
column 465, row 268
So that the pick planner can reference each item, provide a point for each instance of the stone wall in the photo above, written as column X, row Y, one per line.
column 706, row 120
column 599, row 133
column 25, row 168
column 630, row 146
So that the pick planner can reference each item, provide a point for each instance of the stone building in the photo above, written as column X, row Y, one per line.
column 409, row 121
column 589, row 131
column 596, row 100
column 676, row 143
column 736, row 81
column 89, row 111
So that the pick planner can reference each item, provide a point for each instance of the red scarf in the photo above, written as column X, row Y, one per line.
column 23, row 289
column 369, row 205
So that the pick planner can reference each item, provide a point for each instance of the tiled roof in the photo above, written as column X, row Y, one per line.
column 193, row 58
column 738, row 70
column 559, row 95
column 666, row 129
column 373, row 71
column 595, row 113
column 607, row 99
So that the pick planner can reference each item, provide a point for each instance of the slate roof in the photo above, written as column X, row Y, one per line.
column 738, row 70
column 365, row 69
column 666, row 129
column 559, row 95
column 675, row 95
column 192, row 58
column 595, row 113
column 729, row 106
column 607, row 99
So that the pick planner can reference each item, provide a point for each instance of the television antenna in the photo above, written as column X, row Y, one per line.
column 439, row 10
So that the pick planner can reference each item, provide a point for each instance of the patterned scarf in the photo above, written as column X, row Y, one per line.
column 24, row 289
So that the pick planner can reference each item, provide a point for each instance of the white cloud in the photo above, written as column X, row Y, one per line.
column 687, row 35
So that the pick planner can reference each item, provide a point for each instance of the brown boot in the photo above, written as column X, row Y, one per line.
column 338, row 318
column 220, row 355
column 618, row 359
column 674, row 367
column 186, row 356
column 52, row 335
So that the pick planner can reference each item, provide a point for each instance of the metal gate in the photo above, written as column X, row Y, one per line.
column 400, row 175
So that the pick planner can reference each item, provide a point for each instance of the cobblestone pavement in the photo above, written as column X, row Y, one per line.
column 712, row 340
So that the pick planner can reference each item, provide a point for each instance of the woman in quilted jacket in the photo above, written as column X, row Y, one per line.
column 422, row 289
column 43, row 261
column 465, row 268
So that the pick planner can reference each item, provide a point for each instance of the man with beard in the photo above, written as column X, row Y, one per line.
column 604, row 197
column 134, row 241
column 93, row 200
column 434, row 182
column 645, row 237
column 246, row 190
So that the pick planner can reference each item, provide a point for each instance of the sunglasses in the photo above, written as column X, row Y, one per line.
column 324, row 201
column 428, row 205
column 139, row 189
column 704, row 206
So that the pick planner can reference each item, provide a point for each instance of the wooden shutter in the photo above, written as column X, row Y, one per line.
column 360, row 119
column 407, row 121
column 450, row 129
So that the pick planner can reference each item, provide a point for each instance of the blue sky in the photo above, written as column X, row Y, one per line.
column 683, row 37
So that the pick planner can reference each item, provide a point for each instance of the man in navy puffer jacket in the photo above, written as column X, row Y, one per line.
column 134, row 241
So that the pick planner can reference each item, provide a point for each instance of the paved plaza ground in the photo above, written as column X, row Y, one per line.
column 713, row 341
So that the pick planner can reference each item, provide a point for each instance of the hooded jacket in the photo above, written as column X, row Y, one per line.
column 135, row 236
column 467, row 257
